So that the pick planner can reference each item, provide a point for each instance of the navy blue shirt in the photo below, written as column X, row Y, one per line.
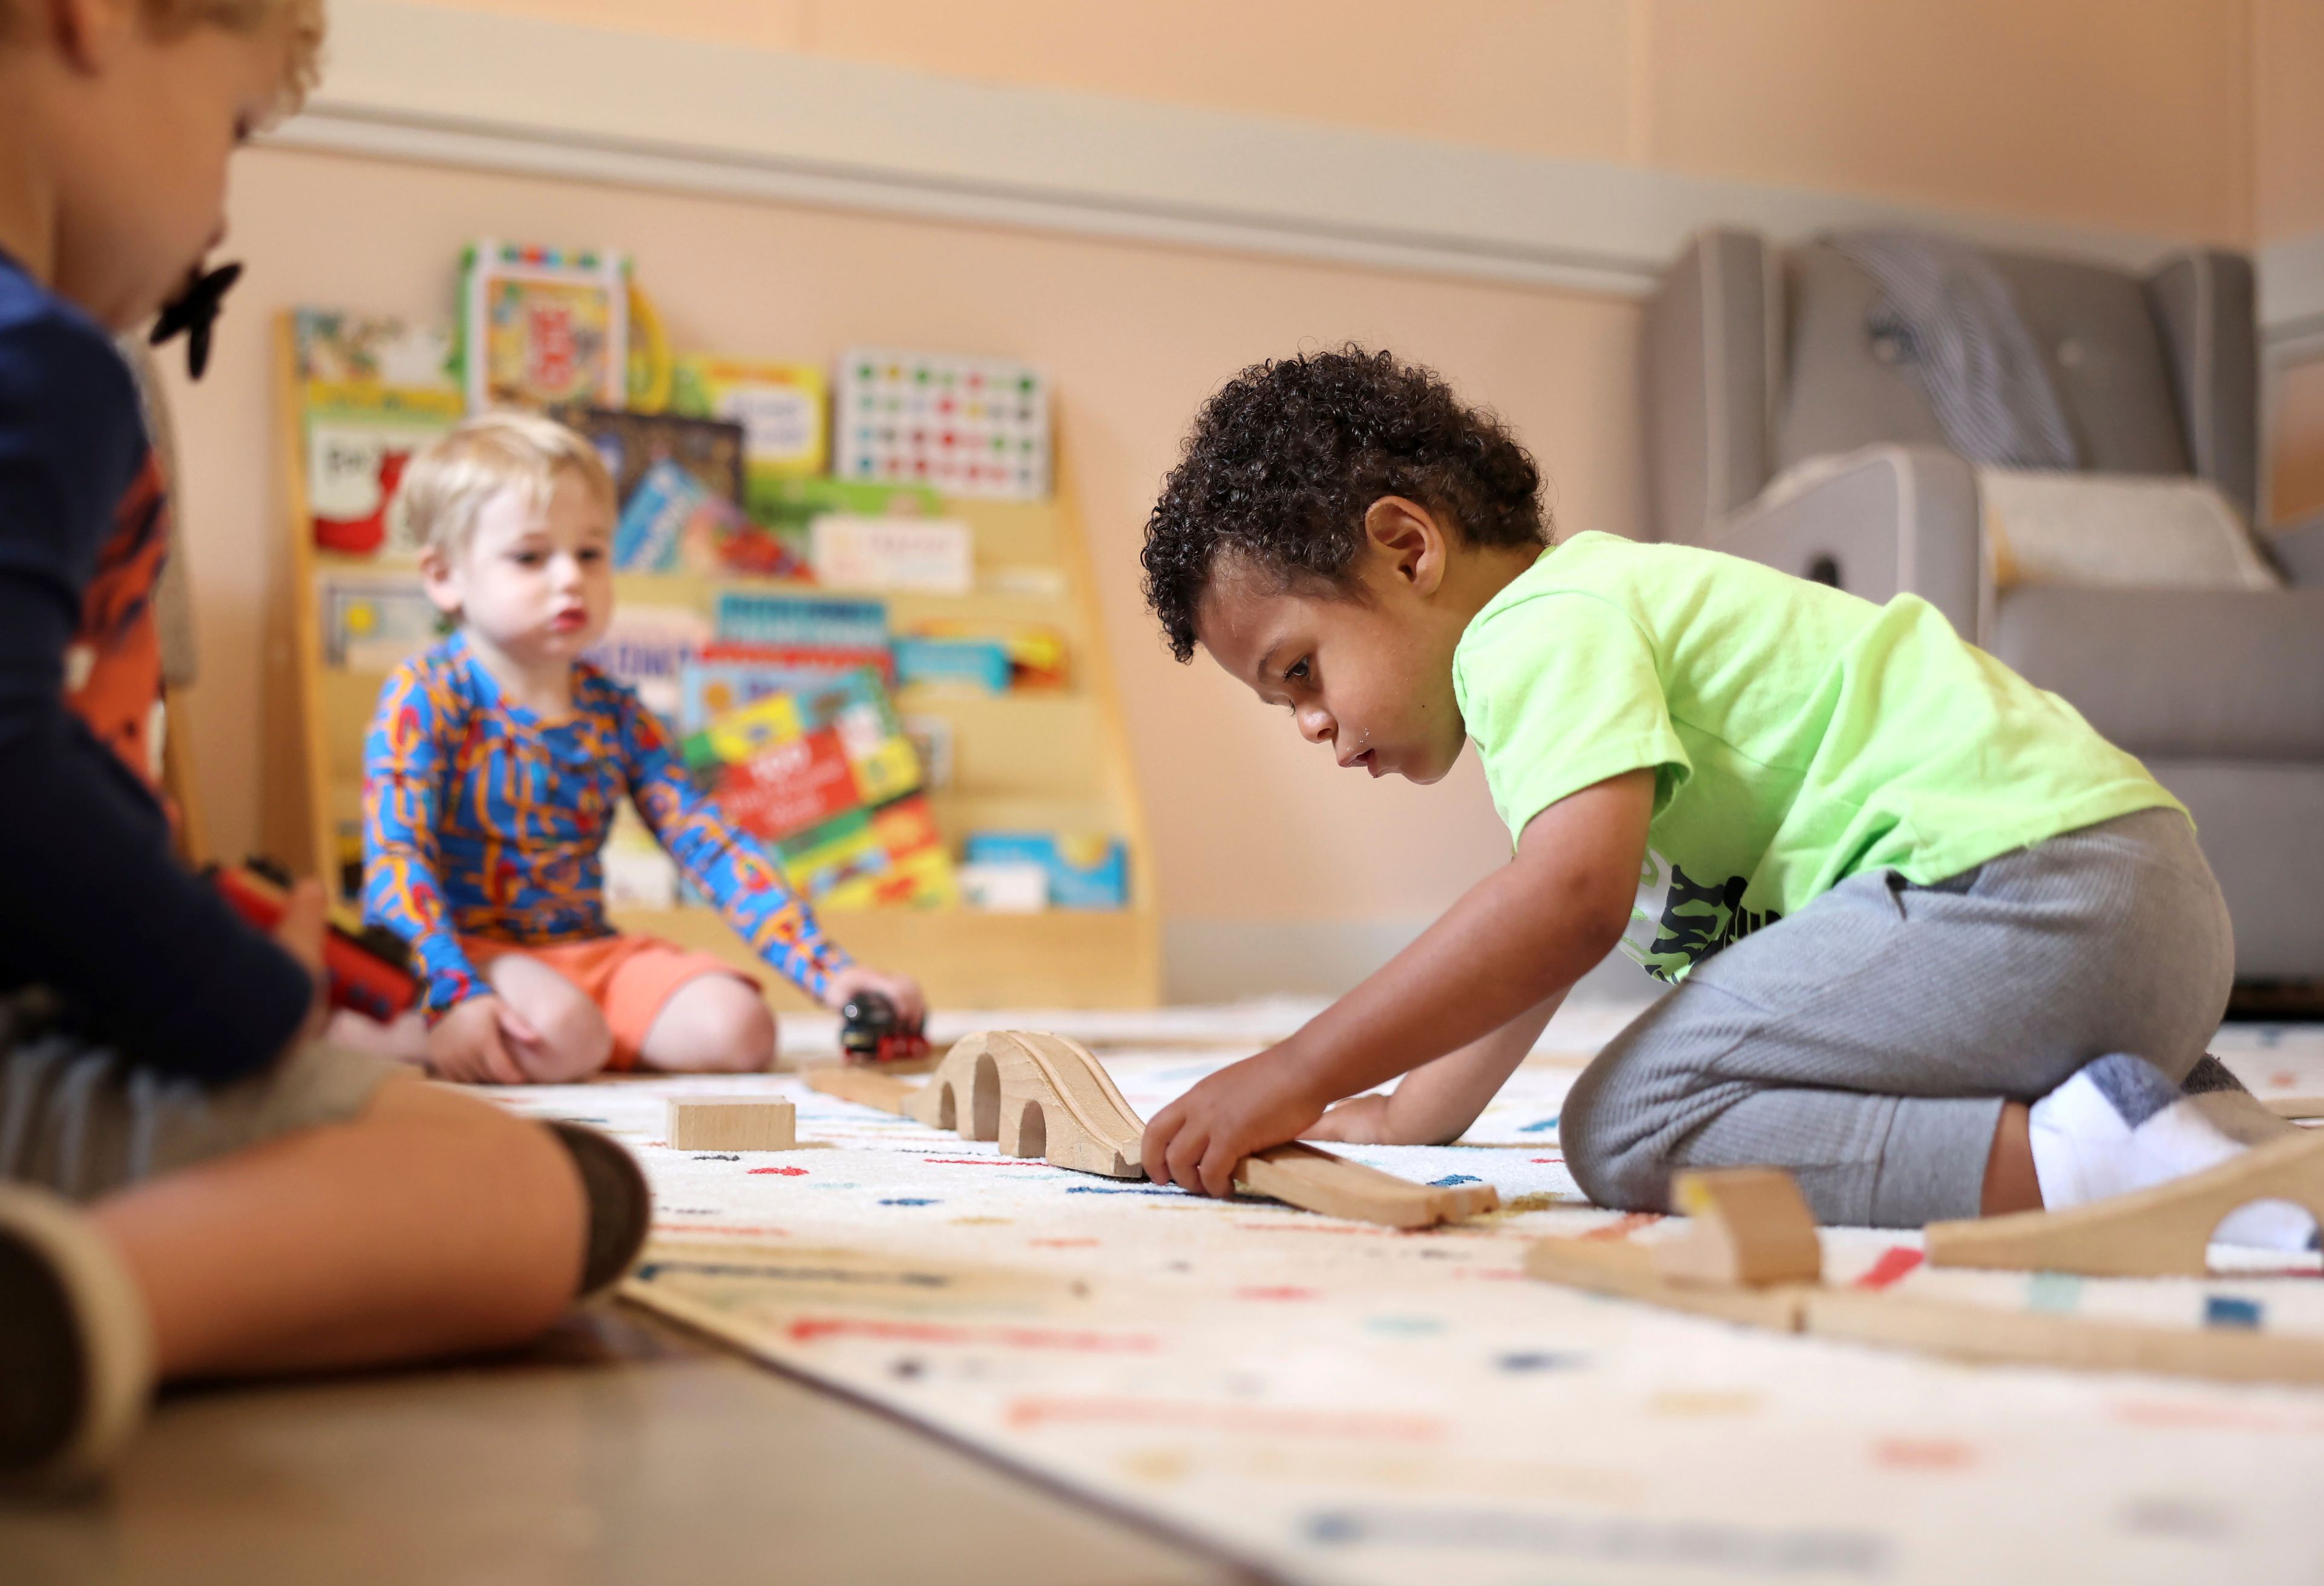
column 93, row 903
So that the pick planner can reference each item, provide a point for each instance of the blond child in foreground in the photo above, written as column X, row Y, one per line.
column 249, row 1199
column 492, row 773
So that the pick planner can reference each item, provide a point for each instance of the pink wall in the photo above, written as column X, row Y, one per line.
column 2135, row 114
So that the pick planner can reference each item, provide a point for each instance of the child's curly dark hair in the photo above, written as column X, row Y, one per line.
column 1284, row 462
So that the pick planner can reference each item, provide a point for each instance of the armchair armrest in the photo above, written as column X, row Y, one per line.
column 1887, row 520
column 2299, row 550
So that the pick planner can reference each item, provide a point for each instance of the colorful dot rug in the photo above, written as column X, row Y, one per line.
column 1327, row 1401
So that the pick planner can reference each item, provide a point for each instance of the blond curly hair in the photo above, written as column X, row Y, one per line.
column 447, row 485
column 170, row 18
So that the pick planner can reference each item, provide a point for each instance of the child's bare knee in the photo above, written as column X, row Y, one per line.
column 738, row 1028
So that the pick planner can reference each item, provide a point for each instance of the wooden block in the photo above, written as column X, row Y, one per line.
column 866, row 1087
column 2295, row 1106
column 1746, row 1225
column 1627, row 1270
column 733, row 1123
column 2157, row 1232
column 1317, row 1181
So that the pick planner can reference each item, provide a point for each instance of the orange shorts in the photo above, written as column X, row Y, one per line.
column 630, row 978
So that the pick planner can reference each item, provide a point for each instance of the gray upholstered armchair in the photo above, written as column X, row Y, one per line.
column 1759, row 358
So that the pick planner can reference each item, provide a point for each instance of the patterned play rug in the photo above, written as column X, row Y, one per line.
column 1332, row 1402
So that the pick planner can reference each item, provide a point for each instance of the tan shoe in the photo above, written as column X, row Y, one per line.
column 76, row 1344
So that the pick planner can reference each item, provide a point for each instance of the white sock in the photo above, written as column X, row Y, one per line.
column 2120, row 1125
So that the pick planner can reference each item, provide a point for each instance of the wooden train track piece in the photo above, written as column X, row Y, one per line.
column 1036, row 1094
column 2162, row 1232
column 1317, row 1181
column 1759, row 1233
column 867, row 1087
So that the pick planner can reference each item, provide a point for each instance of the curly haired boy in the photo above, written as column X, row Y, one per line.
column 1938, row 949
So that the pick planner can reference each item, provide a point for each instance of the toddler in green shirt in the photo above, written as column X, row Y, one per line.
column 1937, row 947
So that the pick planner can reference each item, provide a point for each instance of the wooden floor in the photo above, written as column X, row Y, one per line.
column 619, row 1449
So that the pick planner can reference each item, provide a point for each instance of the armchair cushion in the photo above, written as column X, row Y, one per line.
column 1843, row 389
column 2198, row 674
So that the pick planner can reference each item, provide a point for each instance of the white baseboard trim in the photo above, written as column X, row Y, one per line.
column 1236, row 960
column 465, row 89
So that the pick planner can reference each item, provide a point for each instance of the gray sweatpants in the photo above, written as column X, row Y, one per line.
column 1867, row 1042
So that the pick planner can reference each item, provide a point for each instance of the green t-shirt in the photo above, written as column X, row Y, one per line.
column 1799, row 735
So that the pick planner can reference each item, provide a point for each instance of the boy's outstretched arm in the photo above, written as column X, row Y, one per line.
column 1515, row 940
column 1437, row 1102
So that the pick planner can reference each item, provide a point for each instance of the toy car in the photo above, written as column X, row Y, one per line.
column 871, row 1036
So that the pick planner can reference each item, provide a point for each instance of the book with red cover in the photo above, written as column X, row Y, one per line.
column 789, row 787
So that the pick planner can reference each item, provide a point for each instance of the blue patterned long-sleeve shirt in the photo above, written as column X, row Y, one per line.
column 480, row 819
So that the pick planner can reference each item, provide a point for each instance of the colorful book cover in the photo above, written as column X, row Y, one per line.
column 789, row 506
column 920, row 872
column 980, row 665
column 634, row 445
column 372, row 392
column 670, row 520
column 709, row 688
column 375, row 624
column 838, row 864
column 647, row 646
column 1036, row 654
column 787, row 785
column 1084, row 871
column 780, row 405
column 750, row 617
column 371, row 350
column 852, row 705
column 962, row 427
column 929, row 556
column 540, row 327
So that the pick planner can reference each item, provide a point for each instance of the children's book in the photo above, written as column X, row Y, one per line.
column 751, row 617
column 647, row 646
column 920, row 872
column 927, row 554
column 838, row 864
column 1036, row 654
column 354, row 350
column 967, row 426
column 670, row 520
column 780, row 405
column 634, row 445
column 787, row 784
column 1085, row 873
column 709, row 688
column 540, row 327
column 374, row 622
column 372, row 392
column 789, row 506
column 978, row 666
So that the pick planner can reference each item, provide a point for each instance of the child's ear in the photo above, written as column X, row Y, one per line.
column 89, row 33
column 1409, row 540
column 437, row 577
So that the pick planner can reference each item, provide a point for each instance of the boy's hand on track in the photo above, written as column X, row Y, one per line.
column 1198, row 1140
